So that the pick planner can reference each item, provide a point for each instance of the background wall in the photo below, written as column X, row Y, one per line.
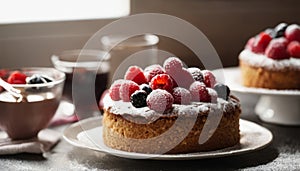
column 227, row 24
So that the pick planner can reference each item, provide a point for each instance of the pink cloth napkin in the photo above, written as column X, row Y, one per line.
column 45, row 141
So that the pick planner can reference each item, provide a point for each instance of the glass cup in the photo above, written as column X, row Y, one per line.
column 146, row 44
column 87, row 74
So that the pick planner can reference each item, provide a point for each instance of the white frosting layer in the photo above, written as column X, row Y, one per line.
column 126, row 108
column 260, row 60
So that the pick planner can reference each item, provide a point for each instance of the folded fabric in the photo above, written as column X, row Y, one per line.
column 44, row 142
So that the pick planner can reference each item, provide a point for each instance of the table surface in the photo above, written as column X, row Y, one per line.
column 282, row 154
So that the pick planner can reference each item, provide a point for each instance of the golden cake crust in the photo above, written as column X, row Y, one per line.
column 260, row 77
column 122, row 133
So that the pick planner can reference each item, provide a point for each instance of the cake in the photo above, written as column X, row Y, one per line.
column 271, row 59
column 170, row 109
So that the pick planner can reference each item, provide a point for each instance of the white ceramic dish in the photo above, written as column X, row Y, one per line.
column 274, row 106
column 88, row 134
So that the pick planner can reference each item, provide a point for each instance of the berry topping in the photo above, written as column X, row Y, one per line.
column 182, row 78
column 114, row 91
column 153, row 70
column 250, row 43
column 279, row 30
column 38, row 79
column 181, row 95
column 213, row 95
column 199, row 92
column 17, row 77
column 138, row 98
column 3, row 73
column 294, row 49
column 261, row 42
column 135, row 74
column 146, row 88
column 160, row 100
column 127, row 88
column 222, row 90
column 196, row 73
column 172, row 64
column 277, row 49
column 162, row 81
column 209, row 78
column 292, row 33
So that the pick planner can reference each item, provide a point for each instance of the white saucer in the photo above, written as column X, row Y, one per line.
column 274, row 106
column 88, row 134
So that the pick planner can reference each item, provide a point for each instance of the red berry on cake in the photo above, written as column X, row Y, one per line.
column 135, row 74
column 182, row 78
column 172, row 64
column 277, row 49
column 160, row 100
column 294, row 49
column 261, row 42
column 292, row 32
column 199, row 92
column 209, row 78
column 153, row 70
column 162, row 81
column 17, row 77
column 250, row 43
column 181, row 95
column 127, row 88
column 213, row 95
column 114, row 91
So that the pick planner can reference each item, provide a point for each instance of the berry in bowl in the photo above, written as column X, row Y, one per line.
column 40, row 90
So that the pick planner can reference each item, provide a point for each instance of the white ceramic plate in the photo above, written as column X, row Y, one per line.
column 88, row 134
column 233, row 79
column 274, row 106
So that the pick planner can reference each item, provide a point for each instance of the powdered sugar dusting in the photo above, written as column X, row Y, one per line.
column 261, row 60
column 126, row 108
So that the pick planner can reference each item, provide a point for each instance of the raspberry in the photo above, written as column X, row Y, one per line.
column 146, row 88
column 250, row 43
column 172, row 64
column 182, row 78
column 199, row 92
column 196, row 74
column 153, row 70
column 209, row 78
column 222, row 90
column 213, row 95
column 292, row 32
column 162, row 81
column 135, row 74
column 114, row 91
column 127, row 88
column 261, row 42
column 294, row 49
column 277, row 49
column 181, row 95
column 17, row 77
column 3, row 73
column 160, row 100
column 138, row 98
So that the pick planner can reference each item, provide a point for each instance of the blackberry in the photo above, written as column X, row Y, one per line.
column 279, row 30
column 196, row 73
column 38, row 79
column 146, row 88
column 222, row 90
column 138, row 98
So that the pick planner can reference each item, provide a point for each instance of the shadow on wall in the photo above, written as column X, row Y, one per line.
column 227, row 24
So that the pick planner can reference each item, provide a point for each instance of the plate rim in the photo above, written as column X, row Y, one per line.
column 191, row 156
column 251, row 90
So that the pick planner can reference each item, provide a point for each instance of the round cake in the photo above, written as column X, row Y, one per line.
column 272, row 59
column 170, row 109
